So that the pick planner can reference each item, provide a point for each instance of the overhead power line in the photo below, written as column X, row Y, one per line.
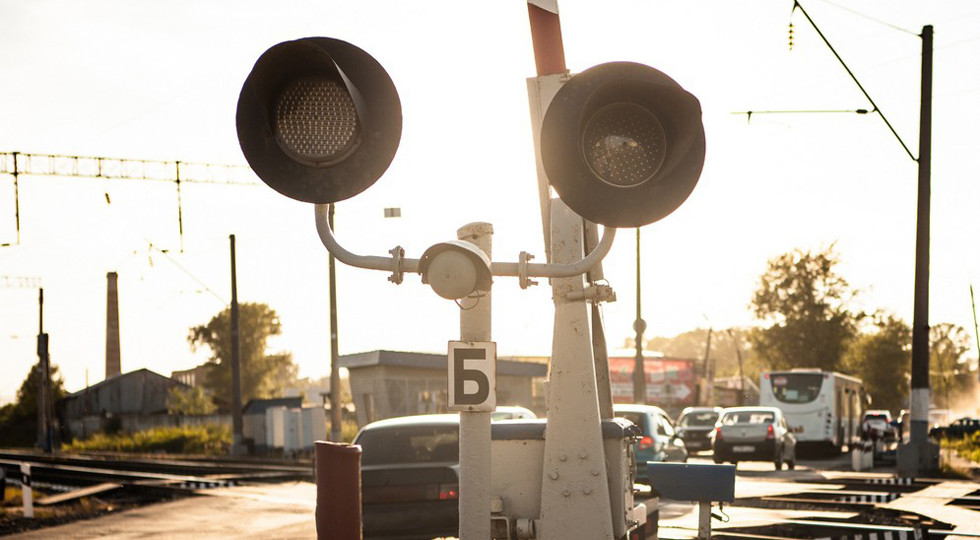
column 178, row 172
column 797, row 5
column 749, row 114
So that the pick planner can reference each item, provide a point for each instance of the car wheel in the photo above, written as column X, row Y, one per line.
column 778, row 462
column 791, row 464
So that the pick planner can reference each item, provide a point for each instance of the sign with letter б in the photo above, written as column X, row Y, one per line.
column 472, row 376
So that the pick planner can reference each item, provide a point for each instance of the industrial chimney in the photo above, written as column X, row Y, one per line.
column 113, row 364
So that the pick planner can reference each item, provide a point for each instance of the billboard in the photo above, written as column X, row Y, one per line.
column 670, row 381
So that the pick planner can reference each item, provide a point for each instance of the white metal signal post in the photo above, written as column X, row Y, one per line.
column 472, row 363
column 319, row 120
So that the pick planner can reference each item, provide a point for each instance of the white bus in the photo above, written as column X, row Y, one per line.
column 822, row 407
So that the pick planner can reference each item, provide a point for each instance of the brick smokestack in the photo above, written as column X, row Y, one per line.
column 113, row 364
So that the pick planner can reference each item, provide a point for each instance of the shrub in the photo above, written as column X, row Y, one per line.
column 173, row 440
column 966, row 447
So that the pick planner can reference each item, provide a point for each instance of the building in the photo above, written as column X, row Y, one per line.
column 130, row 401
column 195, row 376
column 254, row 422
column 386, row 384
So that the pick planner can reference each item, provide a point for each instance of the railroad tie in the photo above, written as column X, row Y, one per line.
column 875, row 498
column 208, row 484
column 879, row 535
column 903, row 481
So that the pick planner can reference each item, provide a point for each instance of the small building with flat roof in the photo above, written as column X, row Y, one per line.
column 386, row 384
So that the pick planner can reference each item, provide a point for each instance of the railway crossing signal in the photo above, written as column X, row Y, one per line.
column 318, row 119
column 623, row 144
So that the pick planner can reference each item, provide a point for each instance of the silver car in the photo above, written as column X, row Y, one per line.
column 754, row 434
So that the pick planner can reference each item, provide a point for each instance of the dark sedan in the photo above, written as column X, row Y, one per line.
column 410, row 477
column 963, row 427
column 695, row 425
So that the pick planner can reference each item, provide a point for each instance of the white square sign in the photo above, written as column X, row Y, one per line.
column 472, row 375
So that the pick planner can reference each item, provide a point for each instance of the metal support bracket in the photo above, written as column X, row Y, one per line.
column 397, row 273
column 523, row 261
column 592, row 293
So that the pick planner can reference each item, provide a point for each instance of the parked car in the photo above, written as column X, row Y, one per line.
column 880, row 421
column 695, row 425
column 507, row 412
column 754, row 434
column 964, row 427
column 410, row 477
column 658, row 440
column 410, row 474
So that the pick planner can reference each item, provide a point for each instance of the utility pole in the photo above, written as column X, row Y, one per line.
column 709, row 376
column 920, row 455
column 741, row 374
column 237, row 447
column 44, row 405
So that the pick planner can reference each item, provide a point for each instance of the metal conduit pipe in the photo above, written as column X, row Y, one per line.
column 398, row 265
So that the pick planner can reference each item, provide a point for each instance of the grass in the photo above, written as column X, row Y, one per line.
column 966, row 447
column 209, row 440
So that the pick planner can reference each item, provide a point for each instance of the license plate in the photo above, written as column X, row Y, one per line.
column 743, row 449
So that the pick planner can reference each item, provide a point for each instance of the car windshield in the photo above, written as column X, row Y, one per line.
column 698, row 419
column 409, row 444
column 748, row 417
column 881, row 417
column 796, row 387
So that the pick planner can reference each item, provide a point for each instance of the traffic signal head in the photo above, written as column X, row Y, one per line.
column 623, row 144
column 456, row 269
column 318, row 119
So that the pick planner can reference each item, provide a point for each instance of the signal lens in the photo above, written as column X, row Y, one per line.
column 770, row 433
column 624, row 144
column 316, row 121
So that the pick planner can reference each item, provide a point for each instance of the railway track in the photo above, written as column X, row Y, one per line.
column 863, row 498
column 68, row 477
column 83, row 475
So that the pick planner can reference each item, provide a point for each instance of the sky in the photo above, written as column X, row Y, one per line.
column 160, row 81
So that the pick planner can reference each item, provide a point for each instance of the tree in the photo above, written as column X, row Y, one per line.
column 882, row 360
column 181, row 401
column 263, row 375
column 947, row 344
column 806, row 304
column 18, row 420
